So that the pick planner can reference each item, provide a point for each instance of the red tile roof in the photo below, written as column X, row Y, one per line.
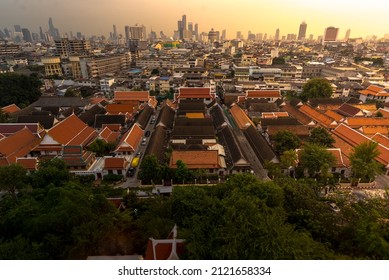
column 293, row 111
column 320, row 118
column 240, row 117
column 385, row 113
column 356, row 122
column 263, row 94
column 116, row 109
column 115, row 163
column 8, row 129
column 140, row 96
column 11, row 109
column 334, row 115
column 382, row 139
column 275, row 115
column 130, row 140
column 17, row 145
column 202, row 93
column 72, row 131
column 108, row 135
column 374, row 91
column 196, row 159
column 28, row 163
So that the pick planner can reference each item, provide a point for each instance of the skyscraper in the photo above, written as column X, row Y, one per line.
column 52, row 30
column 330, row 34
column 41, row 35
column 190, row 26
column 26, row 35
column 347, row 36
column 115, row 34
column 277, row 36
column 17, row 28
column 196, row 31
column 183, row 22
column 127, row 33
column 302, row 31
column 238, row 35
column 224, row 35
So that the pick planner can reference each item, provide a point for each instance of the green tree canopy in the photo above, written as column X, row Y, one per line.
column 150, row 169
column 285, row 140
column 363, row 163
column 12, row 178
column 321, row 137
column 100, row 147
column 316, row 88
column 19, row 89
column 278, row 61
column 316, row 159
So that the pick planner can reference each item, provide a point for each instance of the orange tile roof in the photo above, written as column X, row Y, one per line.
column 240, row 117
column 263, row 94
column 116, row 109
column 28, row 163
column 130, row 140
column 372, row 130
column 275, row 115
column 320, row 118
column 72, row 131
column 356, row 122
column 301, row 117
column 113, row 163
column 17, row 145
column 345, row 148
column 375, row 91
column 194, row 115
column 385, row 113
column 366, row 107
column 96, row 100
column 171, row 104
column 196, row 159
column 141, row 96
column 354, row 138
column 153, row 102
column 108, row 135
column 382, row 139
column 113, row 126
column 334, row 115
column 10, row 109
column 195, row 92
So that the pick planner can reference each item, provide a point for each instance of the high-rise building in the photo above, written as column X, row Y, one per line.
column 190, row 26
column 135, row 32
column 17, row 28
column 196, row 31
column 52, row 30
column 183, row 22
column 277, row 35
column 259, row 37
column 26, row 35
column 212, row 36
column 127, row 33
column 65, row 47
column 224, row 35
column 115, row 33
column 35, row 37
column 347, row 36
column 41, row 34
column 302, row 31
column 7, row 33
column 265, row 37
column 238, row 35
column 330, row 34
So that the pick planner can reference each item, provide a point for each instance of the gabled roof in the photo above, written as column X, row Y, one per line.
column 30, row 163
column 348, row 110
column 8, row 129
column 122, row 96
column 374, row 91
column 114, row 163
column 227, row 135
column 195, row 92
column 101, row 120
column 108, row 135
column 322, row 119
column 166, row 117
column 356, row 122
column 47, row 121
column 116, row 109
column 293, row 111
column 382, row 139
column 165, row 249
column 275, row 115
column 88, row 116
column 334, row 115
column 240, row 117
column 260, row 146
column 17, row 145
column 130, row 140
column 263, row 94
column 72, row 131
column 10, row 109
column 55, row 101
column 196, row 159
column 300, row 130
column 144, row 116
column 385, row 113
column 158, row 143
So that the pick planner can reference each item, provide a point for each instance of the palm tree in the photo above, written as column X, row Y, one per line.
column 363, row 163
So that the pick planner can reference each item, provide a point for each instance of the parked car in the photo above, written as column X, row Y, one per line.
column 144, row 141
column 131, row 172
column 147, row 134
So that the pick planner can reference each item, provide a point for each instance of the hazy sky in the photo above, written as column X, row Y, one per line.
column 363, row 17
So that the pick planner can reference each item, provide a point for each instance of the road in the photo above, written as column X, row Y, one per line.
column 382, row 182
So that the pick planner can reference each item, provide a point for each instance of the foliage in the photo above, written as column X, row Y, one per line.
column 12, row 178
column 316, row 88
column 316, row 159
column 363, row 163
column 285, row 140
column 4, row 117
column 150, row 169
column 182, row 172
column 288, row 159
column 72, row 92
column 19, row 89
column 155, row 72
column 320, row 136
column 101, row 148
column 278, row 61
column 51, row 172
column 273, row 169
column 112, row 178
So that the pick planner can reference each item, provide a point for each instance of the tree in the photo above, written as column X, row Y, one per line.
column 182, row 172
column 155, row 72
column 321, row 137
column 278, row 61
column 273, row 169
column 100, row 147
column 19, row 89
column 316, row 159
column 285, row 140
column 316, row 88
column 288, row 159
column 363, row 163
column 12, row 178
column 50, row 172
column 149, row 169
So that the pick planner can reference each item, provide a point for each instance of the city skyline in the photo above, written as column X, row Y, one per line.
column 257, row 16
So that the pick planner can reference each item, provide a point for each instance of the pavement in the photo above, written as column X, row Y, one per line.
column 382, row 182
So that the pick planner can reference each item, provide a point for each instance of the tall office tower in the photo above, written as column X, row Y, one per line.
column 259, row 37
column 52, row 30
column 71, row 35
column 330, row 34
column 180, row 30
column 196, row 31
column 127, row 33
column 347, row 36
column 41, row 35
column 212, row 36
column 265, row 37
column 183, row 22
column 153, row 36
column 277, row 35
column 310, row 37
column 302, row 31
column 115, row 33
column 138, row 32
column 79, row 35
column 35, row 37
column 224, row 35
column 17, row 28
column 238, row 35
column 2, row 35
column 7, row 33
column 26, row 35
column 190, row 26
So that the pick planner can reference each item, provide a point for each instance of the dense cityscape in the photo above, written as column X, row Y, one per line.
column 140, row 145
